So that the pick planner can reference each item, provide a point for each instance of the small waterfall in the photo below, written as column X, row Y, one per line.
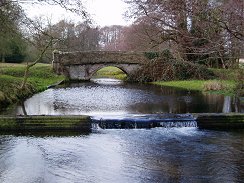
column 143, row 121
column 179, row 124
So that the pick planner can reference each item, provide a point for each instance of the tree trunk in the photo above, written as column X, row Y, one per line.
column 182, row 32
column 3, row 58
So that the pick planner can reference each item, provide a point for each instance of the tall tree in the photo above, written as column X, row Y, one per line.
column 12, row 45
column 199, row 31
column 72, row 37
column 112, row 38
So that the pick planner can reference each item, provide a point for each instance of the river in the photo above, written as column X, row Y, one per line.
column 113, row 97
column 185, row 154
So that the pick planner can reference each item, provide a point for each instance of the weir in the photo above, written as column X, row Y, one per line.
column 144, row 121
column 219, row 121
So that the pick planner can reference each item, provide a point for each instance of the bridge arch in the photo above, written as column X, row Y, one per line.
column 123, row 70
column 83, row 65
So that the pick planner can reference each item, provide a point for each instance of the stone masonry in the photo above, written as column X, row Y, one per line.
column 83, row 65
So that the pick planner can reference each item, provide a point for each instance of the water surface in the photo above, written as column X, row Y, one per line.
column 153, row 155
column 156, row 155
column 109, row 96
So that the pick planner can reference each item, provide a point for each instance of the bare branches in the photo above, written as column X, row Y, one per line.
column 29, row 65
column 31, row 29
column 74, row 6
column 198, row 29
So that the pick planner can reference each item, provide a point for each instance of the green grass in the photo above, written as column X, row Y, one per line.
column 187, row 85
column 227, row 86
column 110, row 72
column 11, row 77
column 9, row 88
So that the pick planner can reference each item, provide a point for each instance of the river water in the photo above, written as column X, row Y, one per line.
column 138, row 155
column 113, row 97
column 185, row 154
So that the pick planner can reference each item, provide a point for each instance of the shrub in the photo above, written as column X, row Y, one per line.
column 168, row 69
column 151, row 55
column 16, row 58
column 214, row 86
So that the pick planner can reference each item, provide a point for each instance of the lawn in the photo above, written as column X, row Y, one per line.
column 11, row 76
column 225, row 87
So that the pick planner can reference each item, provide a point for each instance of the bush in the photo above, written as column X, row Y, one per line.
column 151, row 55
column 17, row 50
column 168, row 69
column 15, row 58
column 214, row 86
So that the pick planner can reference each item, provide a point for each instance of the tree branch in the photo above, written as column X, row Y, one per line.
column 28, row 66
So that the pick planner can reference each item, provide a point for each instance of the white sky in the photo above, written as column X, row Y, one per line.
column 103, row 12
column 107, row 12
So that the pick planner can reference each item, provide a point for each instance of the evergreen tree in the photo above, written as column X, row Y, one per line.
column 12, row 44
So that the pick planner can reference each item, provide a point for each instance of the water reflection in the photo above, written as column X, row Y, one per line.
column 106, row 96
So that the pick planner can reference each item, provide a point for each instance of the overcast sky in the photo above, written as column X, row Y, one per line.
column 107, row 12
column 104, row 12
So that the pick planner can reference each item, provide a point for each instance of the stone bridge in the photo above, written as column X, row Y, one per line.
column 83, row 65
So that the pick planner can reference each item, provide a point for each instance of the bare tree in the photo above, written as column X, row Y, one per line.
column 73, row 37
column 199, row 31
column 112, row 37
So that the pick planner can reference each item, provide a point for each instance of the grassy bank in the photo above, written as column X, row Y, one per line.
column 226, row 82
column 226, row 87
column 11, row 76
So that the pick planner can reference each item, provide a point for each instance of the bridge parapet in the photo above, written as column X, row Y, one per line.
column 84, row 57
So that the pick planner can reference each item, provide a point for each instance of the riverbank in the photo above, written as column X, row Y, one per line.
column 11, row 77
column 226, row 82
column 225, row 87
